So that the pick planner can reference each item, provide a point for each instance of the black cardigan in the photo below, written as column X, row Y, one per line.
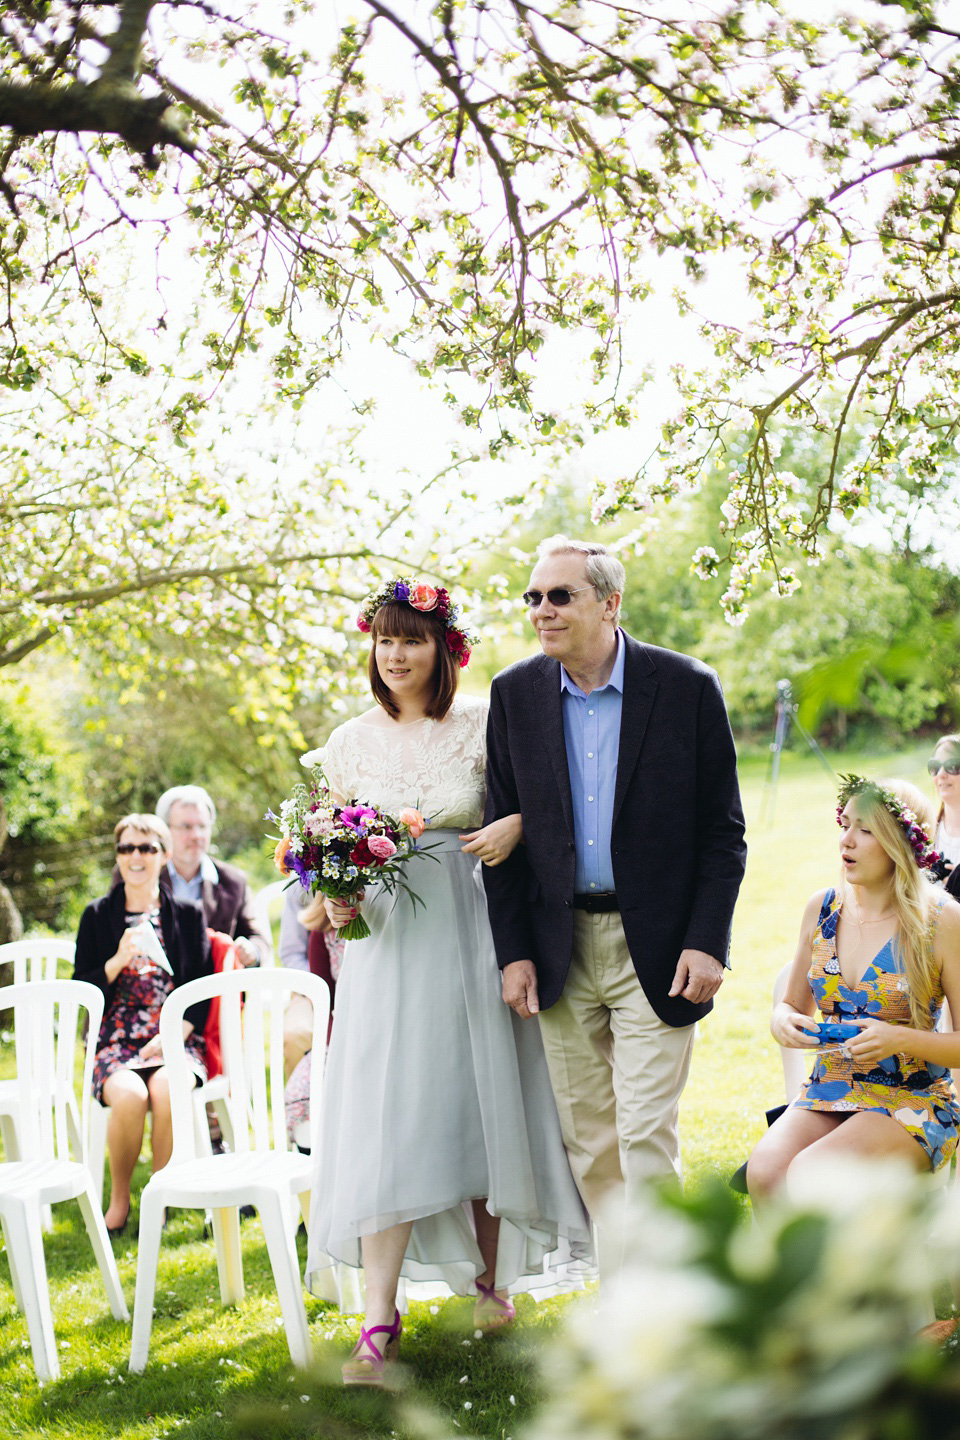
column 185, row 940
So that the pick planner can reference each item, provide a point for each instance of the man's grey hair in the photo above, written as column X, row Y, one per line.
column 186, row 795
column 604, row 571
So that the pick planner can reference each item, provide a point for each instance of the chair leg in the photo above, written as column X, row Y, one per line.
column 279, row 1234
column 96, row 1228
column 23, row 1227
column 97, row 1150
column 14, row 1278
column 226, row 1236
column 148, row 1257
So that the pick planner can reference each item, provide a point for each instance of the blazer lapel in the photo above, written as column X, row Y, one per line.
column 639, row 693
column 547, row 699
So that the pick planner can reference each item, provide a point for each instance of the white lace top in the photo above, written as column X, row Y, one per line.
column 435, row 765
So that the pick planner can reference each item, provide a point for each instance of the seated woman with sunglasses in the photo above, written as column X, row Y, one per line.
column 944, row 768
column 136, row 944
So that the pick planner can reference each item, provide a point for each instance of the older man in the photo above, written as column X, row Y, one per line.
column 612, row 921
column 221, row 889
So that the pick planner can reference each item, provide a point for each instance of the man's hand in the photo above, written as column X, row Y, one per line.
column 520, row 988
column 698, row 976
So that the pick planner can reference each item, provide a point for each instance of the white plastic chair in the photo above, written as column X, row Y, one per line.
column 794, row 1061
column 262, row 1170
column 31, row 960
column 214, row 1091
column 46, row 1017
column 263, row 901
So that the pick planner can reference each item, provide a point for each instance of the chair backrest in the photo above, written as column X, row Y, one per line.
column 794, row 1061
column 46, row 1018
column 252, row 1002
column 263, row 902
column 36, row 959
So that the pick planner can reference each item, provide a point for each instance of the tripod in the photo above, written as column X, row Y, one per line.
column 786, row 711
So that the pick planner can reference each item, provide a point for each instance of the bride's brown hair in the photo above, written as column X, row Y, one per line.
column 398, row 619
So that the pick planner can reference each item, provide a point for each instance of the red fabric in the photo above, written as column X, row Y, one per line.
column 224, row 958
column 318, row 959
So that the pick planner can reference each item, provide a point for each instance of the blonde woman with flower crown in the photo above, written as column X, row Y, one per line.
column 441, row 1156
column 878, row 955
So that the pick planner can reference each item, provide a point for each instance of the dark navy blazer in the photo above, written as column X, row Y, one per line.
column 677, row 840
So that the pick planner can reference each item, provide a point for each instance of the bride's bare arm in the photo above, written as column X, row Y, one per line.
column 494, row 842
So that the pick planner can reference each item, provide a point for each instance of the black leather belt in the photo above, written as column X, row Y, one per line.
column 598, row 903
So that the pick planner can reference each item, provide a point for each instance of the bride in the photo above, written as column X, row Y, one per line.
column 440, row 1155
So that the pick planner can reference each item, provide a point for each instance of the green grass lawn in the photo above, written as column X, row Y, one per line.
column 217, row 1372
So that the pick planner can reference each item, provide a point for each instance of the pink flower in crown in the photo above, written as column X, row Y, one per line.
column 363, row 624
column 381, row 848
column 423, row 597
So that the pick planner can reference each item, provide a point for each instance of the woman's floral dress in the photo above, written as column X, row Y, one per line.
column 920, row 1096
column 133, row 1016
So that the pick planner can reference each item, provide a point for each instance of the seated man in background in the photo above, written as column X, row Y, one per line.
column 221, row 889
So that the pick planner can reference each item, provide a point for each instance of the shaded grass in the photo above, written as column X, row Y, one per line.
column 216, row 1372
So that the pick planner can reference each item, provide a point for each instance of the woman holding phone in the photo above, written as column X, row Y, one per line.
column 878, row 955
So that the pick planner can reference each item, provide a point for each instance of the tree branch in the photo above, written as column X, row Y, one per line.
column 116, row 109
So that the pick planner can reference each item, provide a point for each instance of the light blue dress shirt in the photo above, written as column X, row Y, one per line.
column 192, row 889
column 591, row 728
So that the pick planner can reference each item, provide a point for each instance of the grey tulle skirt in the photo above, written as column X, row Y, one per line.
column 436, row 1094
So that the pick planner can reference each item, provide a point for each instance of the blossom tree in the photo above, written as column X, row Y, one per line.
column 242, row 551
column 468, row 181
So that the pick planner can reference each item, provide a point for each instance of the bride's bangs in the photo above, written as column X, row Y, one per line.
column 401, row 621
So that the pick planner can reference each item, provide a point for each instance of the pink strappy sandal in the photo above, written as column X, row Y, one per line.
column 490, row 1312
column 361, row 1369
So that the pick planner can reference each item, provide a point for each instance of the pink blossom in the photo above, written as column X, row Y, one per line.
column 381, row 848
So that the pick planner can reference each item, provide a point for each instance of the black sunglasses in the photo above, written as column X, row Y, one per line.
column 148, row 849
column 532, row 598
column 951, row 767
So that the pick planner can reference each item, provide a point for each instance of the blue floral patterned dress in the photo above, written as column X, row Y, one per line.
column 920, row 1096
column 133, row 1017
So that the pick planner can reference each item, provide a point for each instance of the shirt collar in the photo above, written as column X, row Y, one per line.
column 207, row 872
column 616, row 674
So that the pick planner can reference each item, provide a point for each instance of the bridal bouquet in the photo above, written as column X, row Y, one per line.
column 338, row 850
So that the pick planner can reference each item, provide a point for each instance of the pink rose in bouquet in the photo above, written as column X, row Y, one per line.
column 381, row 847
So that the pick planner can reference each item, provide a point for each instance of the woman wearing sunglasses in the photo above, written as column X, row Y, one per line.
column 136, row 944
column 944, row 768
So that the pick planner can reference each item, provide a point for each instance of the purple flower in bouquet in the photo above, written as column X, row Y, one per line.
column 355, row 815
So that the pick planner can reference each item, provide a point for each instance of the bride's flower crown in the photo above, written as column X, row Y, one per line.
column 926, row 856
column 425, row 598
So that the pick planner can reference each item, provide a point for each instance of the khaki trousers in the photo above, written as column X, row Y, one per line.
column 617, row 1070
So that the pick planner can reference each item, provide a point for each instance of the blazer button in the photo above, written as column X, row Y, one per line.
column 569, row 904
column 571, row 846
